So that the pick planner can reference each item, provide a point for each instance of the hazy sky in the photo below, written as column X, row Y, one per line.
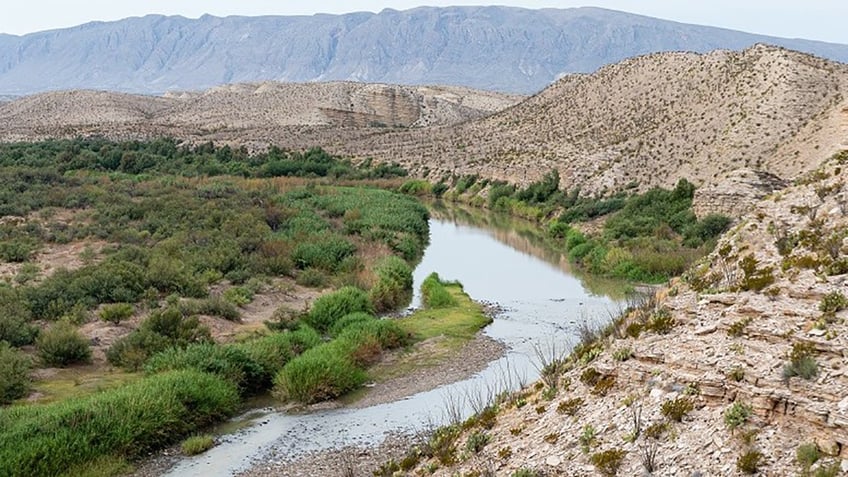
column 813, row 19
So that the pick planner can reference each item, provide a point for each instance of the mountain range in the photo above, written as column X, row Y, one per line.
column 495, row 48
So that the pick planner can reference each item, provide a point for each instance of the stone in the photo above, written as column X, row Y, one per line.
column 553, row 461
column 736, row 193
column 705, row 330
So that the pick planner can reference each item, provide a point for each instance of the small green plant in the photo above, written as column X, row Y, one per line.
column 622, row 354
column 662, row 322
column 737, row 328
column 590, row 376
column 676, row 409
column 197, row 444
column 549, row 393
column 116, row 313
column 833, row 302
column 603, row 386
column 633, row 330
column 750, row 462
column 755, row 279
column 477, row 441
column 516, row 431
column 62, row 344
column 802, row 362
column 541, row 409
column 525, row 472
column 736, row 374
column 806, row 455
column 551, row 438
column 505, row 452
column 587, row 438
column 656, row 430
column 434, row 294
column 608, row 462
column 569, row 407
column 736, row 415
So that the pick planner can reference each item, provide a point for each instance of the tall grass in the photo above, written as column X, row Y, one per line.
column 331, row 307
column 434, row 294
column 131, row 421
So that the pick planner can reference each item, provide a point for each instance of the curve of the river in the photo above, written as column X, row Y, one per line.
column 496, row 261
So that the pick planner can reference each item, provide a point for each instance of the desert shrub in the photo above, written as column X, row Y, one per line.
column 833, row 302
column 590, row 376
column 802, row 362
column 312, row 278
column 228, row 362
column 117, row 312
column 197, row 444
column 736, row 415
column 656, row 430
column 239, row 296
column 387, row 332
column 526, row 472
column 750, row 461
column 569, row 407
column 318, row 374
column 212, row 306
column 477, row 441
column 129, row 421
column 662, row 322
column 62, row 344
column 163, row 329
column 15, row 251
column 755, row 279
column 331, row 307
column 14, row 373
column 677, row 409
column 15, row 327
column 737, row 328
column 609, row 461
column 434, row 294
column 603, row 386
column 394, row 284
column 622, row 354
column 587, row 438
column 806, row 455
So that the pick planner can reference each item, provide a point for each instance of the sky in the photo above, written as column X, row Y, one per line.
column 811, row 19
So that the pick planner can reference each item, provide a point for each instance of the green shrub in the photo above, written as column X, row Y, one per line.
column 736, row 415
column 272, row 352
column 14, row 374
column 477, row 441
column 677, row 409
column 14, row 318
column 750, row 462
column 197, row 444
column 806, row 455
column 662, row 322
column 312, row 278
column 609, row 461
column 117, row 312
column 332, row 307
column 802, row 362
column 526, row 472
column 15, row 251
column 238, row 296
column 228, row 362
column 351, row 319
column 212, row 306
column 737, row 328
column 394, row 284
column 387, row 332
column 569, row 407
column 833, row 302
column 434, row 294
column 129, row 421
column 755, row 279
column 62, row 344
column 318, row 374
column 163, row 329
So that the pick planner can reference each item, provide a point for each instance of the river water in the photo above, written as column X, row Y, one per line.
column 498, row 260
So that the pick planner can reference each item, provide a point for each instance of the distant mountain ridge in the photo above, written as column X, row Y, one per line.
column 495, row 48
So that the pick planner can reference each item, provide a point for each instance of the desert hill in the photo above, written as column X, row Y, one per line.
column 233, row 109
column 494, row 48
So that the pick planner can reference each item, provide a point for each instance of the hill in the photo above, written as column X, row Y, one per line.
column 494, row 48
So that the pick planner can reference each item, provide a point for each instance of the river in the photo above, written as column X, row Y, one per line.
column 497, row 260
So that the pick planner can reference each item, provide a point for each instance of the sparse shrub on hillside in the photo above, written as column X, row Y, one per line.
column 116, row 313
column 750, row 461
column 569, row 407
column 736, row 415
column 755, row 279
column 62, row 344
column 662, row 322
column 394, row 284
column 737, row 328
column 676, row 409
column 802, row 362
column 833, row 302
column 14, row 373
column 806, row 455
column 477, row 441
column 608, row 462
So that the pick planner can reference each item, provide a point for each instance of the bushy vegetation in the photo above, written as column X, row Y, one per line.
column 14, row 373
column 434, row 294
column 394, row 284
column 802, row 362
column 50, row 439
column 62, row 344
column 332, row 307
column 197, row 444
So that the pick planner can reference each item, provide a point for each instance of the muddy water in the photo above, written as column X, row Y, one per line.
column 497, row 260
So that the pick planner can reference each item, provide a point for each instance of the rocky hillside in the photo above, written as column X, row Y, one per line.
column 233, row 109
column 649, row 121
column 495, row 48
column 739, row 367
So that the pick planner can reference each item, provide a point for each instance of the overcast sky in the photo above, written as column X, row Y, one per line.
column 812, row 19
